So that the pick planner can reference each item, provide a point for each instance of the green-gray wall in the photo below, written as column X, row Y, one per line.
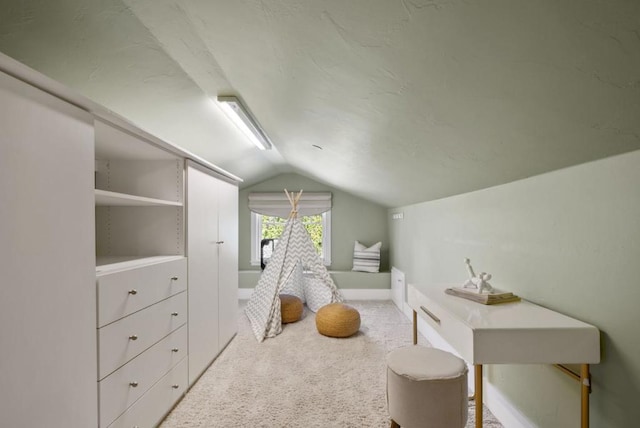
column 568, row 240
column 352, row 219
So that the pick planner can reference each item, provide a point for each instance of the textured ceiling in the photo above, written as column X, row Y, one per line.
column 410, row 100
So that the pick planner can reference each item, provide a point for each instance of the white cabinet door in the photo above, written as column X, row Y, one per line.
column 48, row 351
column 202, row 256
column 228, row 262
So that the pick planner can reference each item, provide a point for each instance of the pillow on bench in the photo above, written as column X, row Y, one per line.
column 366, row 259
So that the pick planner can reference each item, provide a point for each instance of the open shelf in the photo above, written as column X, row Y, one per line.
column 109, row 264
column 107, row 198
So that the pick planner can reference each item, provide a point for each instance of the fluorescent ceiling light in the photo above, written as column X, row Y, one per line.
column 244, row 120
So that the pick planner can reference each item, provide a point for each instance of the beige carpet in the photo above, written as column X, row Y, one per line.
column 301, row 378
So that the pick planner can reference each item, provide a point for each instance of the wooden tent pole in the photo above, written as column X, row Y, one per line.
column 293, row 200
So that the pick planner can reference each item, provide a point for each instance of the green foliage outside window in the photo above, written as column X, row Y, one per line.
column 272, row 228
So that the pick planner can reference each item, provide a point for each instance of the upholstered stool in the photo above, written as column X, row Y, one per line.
column 290, row 308
column 337, row 320
column 426, row 387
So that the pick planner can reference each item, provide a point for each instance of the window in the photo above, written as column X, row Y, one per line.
column 318, row 226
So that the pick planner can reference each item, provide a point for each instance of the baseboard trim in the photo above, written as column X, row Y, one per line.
column 347, row 293
column 366, row 294
column 500, row 406
column 504, row 410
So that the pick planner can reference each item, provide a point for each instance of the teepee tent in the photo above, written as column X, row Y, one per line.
column 293, row 251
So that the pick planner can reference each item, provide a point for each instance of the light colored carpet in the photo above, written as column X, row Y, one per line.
column 301, row 378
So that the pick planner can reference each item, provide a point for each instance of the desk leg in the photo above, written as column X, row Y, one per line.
column 415, row 328
column 478, row 394
column 585, row 389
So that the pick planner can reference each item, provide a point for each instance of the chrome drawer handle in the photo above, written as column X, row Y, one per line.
column 174, row 314
column 174, row 278
column 176, row 386
column 133, row 337
column 219, row 242
column 175, row 350
column 133, row 291
column 431, row 315
column 133, row 384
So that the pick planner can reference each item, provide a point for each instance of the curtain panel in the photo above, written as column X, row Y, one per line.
column 277, row 204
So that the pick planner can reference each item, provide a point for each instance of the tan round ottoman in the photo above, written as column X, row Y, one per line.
column 291, row 308
column 337, row 320
column 426, row 387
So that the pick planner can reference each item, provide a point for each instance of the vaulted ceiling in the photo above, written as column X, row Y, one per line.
column 409, row 100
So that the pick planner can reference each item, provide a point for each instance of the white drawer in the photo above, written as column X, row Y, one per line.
column 452, row 330
column 124, row 339
column 122, row 388
column 124, row 292
column 149, row 410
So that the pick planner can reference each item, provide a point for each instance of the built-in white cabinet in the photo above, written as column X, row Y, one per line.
column 141, row 273
column 139, row 198
column 47, row 261
column 212, row 236
column 99, row 287
column 227, row 262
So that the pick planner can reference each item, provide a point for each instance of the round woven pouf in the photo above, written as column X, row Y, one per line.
column 337, row 320
column 290, row 308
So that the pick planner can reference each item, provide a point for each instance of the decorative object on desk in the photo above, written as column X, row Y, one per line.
column 491, row 298
column 479, row 282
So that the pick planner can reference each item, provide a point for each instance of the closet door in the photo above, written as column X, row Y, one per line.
column 228, row 262
column 202, row 256
column 48, row 350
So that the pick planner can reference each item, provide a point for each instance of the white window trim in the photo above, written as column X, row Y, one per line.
column 256, row 234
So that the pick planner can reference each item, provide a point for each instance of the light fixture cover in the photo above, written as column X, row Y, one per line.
column 243, row 118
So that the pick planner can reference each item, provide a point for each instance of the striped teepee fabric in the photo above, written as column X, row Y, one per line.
column 294, row 248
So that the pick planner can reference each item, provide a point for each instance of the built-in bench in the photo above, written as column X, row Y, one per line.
column 353, row 285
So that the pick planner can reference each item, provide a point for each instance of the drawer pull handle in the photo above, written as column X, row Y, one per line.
column 133, row 291
column 174, row 314
column 174, row 278
column 133, row 337
column 133, row 384
column 431, row 315
column 175, row 350
column 219, row 242
column 175, row 386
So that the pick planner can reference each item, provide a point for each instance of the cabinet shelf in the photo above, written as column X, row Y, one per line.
column 110, row 264
column 107, row 198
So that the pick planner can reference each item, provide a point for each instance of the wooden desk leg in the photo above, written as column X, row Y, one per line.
column 415, row 328
column 585, row 389
column 478, row 394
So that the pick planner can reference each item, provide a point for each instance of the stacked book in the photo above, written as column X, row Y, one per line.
column 492, row 298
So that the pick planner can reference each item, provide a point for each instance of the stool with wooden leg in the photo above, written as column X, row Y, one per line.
column 426, row 387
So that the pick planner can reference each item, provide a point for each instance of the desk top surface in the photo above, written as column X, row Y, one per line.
column 514, row 315
column 516, row 332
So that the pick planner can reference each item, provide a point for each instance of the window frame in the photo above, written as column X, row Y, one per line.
column 256, row 237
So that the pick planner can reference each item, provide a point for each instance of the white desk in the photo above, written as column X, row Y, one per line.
column 508, row 333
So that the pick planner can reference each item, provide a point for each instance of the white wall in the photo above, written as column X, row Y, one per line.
column 568, row 240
